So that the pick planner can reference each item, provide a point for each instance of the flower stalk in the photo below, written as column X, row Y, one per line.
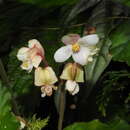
column 61, row 105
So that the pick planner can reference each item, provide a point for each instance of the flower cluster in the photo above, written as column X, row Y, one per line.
column 32, row 56
column 81, row 50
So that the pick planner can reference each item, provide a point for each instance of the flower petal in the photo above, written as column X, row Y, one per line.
column 47, row 89
column 76, row 90
column 34, row 43
column 27, row 65
column 73, row 71
column 45, row 76
column 92, row 39
column 81, row 57
column 36, row 61
column 22, row 53
column 70, row 38
column 43, row 94
column 63, row 53
column 80, row 75
column 66, row 74
column 72, row 87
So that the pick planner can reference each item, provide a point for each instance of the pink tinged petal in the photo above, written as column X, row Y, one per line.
column 27, row 65
column 36, row 61
column 34, row 43
column 48, row 90
column 22, row 54
column 81, row 57
column 35, row 55
column 72, row 87
column 92, row 39
column 63, row 53
column 70, row 38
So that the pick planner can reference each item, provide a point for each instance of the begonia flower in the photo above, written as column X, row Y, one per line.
column 31, row 56
column 73, row 74
column 45, row 78
column 81, row 49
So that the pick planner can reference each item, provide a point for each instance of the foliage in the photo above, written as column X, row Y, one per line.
column 120, row 38
column 20, row 81
column 110, row 100
column 125, row 2
column 97, row 125
column 50, row 3
column 7, row 119
column 37, row 124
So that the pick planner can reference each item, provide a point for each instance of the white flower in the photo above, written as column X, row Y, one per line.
column 31, row 56
column 73, row 73
column 45, row 78
column 72, row 87
column 81, row 49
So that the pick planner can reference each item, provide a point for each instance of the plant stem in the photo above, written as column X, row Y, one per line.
column 61, row 107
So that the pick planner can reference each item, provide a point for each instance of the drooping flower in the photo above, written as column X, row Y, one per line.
column 81, row 49
column 45, row 78
column 73, row 74
column 31, row 56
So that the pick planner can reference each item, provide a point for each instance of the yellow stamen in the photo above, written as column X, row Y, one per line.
column 25, row 64
column 75, row 47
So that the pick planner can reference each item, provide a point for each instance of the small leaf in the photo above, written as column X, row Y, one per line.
column 37, row 124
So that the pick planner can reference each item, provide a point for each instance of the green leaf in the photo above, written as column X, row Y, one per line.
column 9, row 122
column 99, row 19
column 120, row 38
column 97, row 125
column 7, row 119
column 4, row 101
column 94, row 69
column 119, row 125
column 92, row 125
